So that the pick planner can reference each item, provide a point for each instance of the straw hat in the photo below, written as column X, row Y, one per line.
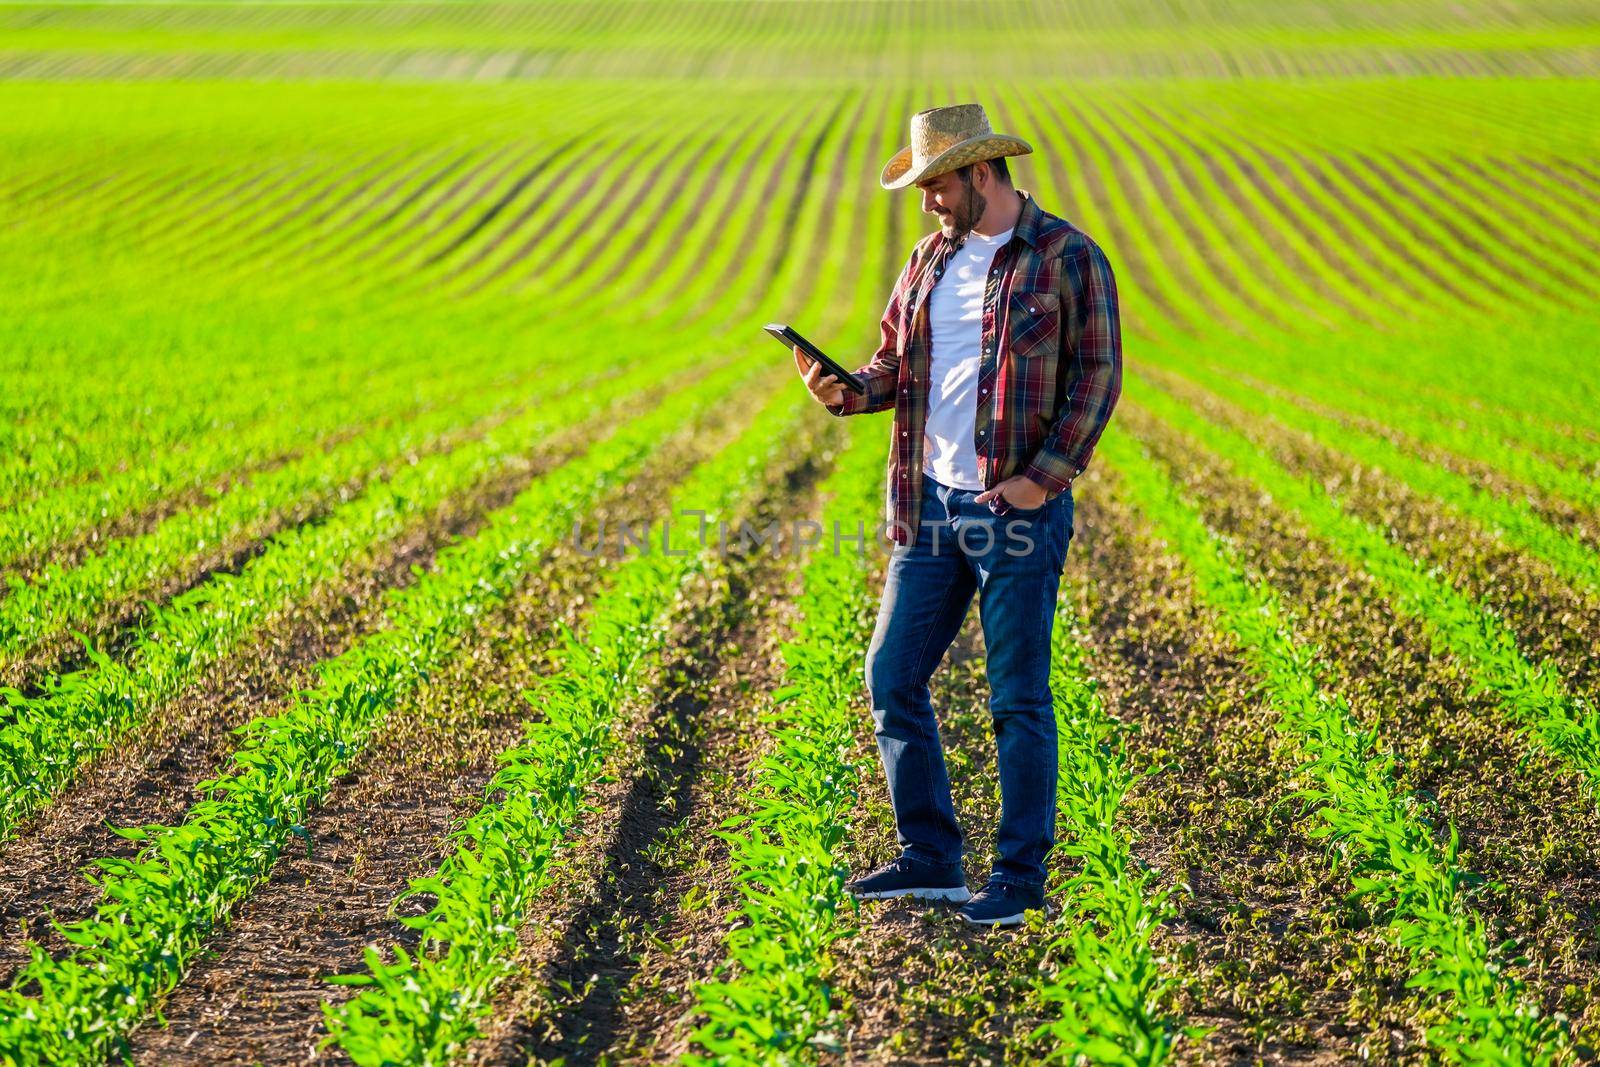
column 944, row 138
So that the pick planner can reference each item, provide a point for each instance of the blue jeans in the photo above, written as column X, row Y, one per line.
column 1014, row 563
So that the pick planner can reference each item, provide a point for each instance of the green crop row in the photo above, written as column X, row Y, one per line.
column 157, row 388
column 1185, row 237
column 1512, row 519
column 63, row 598
column 425, row 1005
column 1387, row 839
column 1135, row 155
column 157, row 909
column 46, row 737
column 1483, row 441
column 67, row 464
column 1532, row 695
column 775, row 1005
column 78, row 481
column 1101, row 989
column 1132, row 41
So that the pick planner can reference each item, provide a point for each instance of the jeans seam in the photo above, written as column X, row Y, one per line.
column 922, row 726
column 1029, row 855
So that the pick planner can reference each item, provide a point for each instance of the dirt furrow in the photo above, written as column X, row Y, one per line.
column 647, row 894
column 1525, row 821
column 1366, row 209
column 150, row 776
column 1262, row 955
column 1550, row 617
column 259, row 997
column 920, row 985
column 230, row 554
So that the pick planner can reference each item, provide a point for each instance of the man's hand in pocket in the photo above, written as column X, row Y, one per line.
column 1019, row 491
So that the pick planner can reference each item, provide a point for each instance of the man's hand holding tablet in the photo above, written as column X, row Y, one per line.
column 825, row 379
column 825, row 387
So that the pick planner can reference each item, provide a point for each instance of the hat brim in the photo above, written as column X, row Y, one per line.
column 898, row 173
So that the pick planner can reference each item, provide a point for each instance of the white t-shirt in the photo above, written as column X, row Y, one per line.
column 955, row 310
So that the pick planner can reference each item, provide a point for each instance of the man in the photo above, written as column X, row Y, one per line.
column 1001, row 357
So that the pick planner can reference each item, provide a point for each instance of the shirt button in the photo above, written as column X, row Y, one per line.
column 902, row 433
column 983, row 392
column 1033, row 309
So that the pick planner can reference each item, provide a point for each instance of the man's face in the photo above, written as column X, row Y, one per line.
column 958, row 204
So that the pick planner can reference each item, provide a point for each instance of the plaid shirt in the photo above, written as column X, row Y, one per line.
column 1049, row 373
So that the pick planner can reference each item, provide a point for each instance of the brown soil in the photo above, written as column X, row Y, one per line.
column 73, row 550
column 128, row 205
column 160, row 225
column 150, row 777
column 1284, row 216
column 1264, row 954
column 1210, row 191
column 918, row 984
column 314, row 240
column 603, row 172
column 1525, row 821
column 808, row 168
column 1590, row 179
column 1550, row 618
column 335, row 245
column 1561, row 513
column 843, row 185
column 291, row 202
column 1401, row 290
column 409, row 240
column 1363, row 173
column 258, row 997
column 743, row 181
column 647, row 896
column 1135, row 152
column 1512, row 184
column 1528, row 243
column 1553, row 169
column 1262, row 944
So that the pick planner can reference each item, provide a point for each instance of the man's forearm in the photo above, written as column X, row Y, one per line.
column 1066, row 451
column 880, row 382
column 1094, row 337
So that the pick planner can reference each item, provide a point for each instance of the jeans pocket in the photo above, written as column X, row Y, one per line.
column 1003, row 507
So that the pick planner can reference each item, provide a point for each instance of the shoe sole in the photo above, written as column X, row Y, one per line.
column 1003, row 920
column 958, row 895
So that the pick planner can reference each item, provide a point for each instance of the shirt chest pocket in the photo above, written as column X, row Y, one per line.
column 1033, row 324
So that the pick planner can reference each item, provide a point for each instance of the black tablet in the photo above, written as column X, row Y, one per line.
column 791, row 339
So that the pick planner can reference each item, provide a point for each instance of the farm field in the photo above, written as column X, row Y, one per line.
column 335, row 729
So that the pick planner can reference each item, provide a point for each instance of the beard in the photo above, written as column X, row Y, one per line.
column 964, row 215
